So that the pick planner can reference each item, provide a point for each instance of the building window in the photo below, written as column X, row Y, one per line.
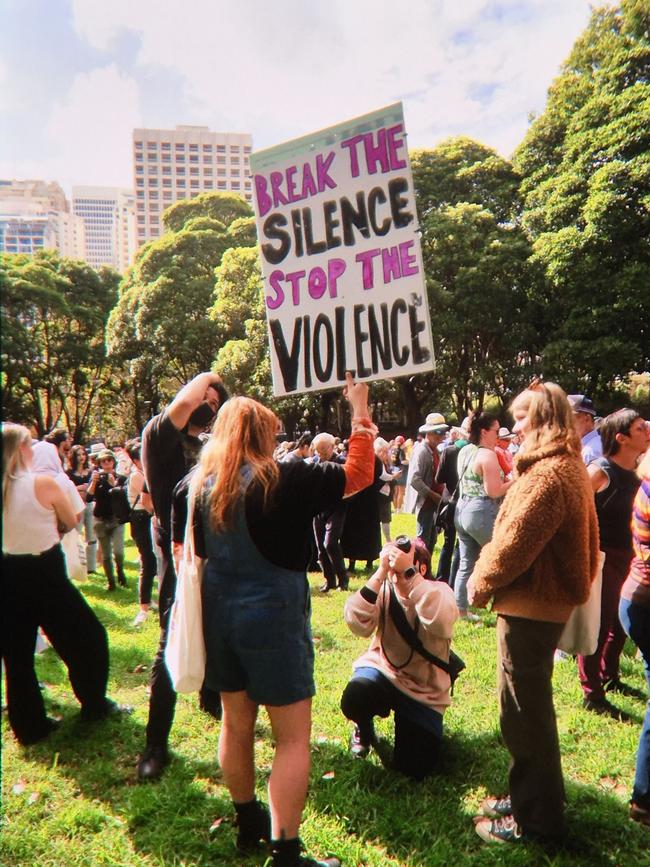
column 139, row 182
column 194, row 184
column 247, row 149
column 140, row 194
column 194, row 147
column 180, row 158
column 194, row 158
column 247, row 185
column 141, row 205
column 221, row 185
column 221, row 160
column 141, row 232
column 153, row 170
column 167, row 194
column 207, row 149
column 194, row 171
column 141, row 219
column 234, row 161
column 207, row 185
column 207, row 161
column 207, row 172
column 166, row 158
column 139, row 158
column 139, row 170
column 167, row 170
column 236, row 185
column 167, row 182
column 165, row 146
column 139, row 145
column 221, row 149
column 180, row 146
column 153, row 194
column 180, row 170
column 180, row 182
column 153, row 206
column 234, row 149
column 221, row 173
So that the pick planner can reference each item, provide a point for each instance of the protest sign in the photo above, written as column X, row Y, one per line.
column 341, row 261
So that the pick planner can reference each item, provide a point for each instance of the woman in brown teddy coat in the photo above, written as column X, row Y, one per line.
column 538, row 566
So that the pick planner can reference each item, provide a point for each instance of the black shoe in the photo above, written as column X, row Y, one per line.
column 605, row 708
column 152, row 763
column 325, row 588
column 121, row 579
column 616, row 685
column 210, row 702
column 286, row 853
column 361, row 741
column 110, row 709
column 111, row 586
column 50, row 726
column 344, row 585
column 254, row 825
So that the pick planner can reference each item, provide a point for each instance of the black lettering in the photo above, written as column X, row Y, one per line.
column 401, row 355
column 297, row 231
column 398, row 203
column 329, row 209
column 323, row 373
column 360, row 337
column 379, row 346
column 272, row 230
column 339, row 327
column 306, row 333
column 376, row 195
column 420, row 353
column 350, row 218
column 288, row 361
column 311, row 246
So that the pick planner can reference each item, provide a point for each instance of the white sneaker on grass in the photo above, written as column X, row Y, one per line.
column 140, row 618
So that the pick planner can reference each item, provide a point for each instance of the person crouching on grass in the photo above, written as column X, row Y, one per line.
column 391, row 674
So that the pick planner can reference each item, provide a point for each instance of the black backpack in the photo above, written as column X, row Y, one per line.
column 120, row 506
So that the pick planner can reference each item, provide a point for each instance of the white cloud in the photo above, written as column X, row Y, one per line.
column 90, row 129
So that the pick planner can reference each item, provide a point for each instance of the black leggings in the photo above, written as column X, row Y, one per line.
column 141, row 535
column 36, row 592
column 417, row 750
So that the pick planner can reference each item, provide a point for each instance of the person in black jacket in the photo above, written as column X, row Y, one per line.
column 447, row 474
column 108, row 530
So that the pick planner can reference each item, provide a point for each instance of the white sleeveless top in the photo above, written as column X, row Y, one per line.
column 28, row 527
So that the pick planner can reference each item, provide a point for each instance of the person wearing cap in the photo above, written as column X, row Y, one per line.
column 108, row 530
column 584, row 416
column 423, row 493
column 504, row 455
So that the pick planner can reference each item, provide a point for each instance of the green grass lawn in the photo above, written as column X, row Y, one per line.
column 73, row 800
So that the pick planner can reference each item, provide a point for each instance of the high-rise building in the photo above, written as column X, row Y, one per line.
column 179, row 164
column 35, row 215
column 109, row 218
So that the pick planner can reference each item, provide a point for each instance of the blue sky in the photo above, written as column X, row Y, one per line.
column 76, row 76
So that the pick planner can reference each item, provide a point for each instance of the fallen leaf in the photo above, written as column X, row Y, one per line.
column 19, row 788
column 33, row 798
column 214, row 827
column 329, row 775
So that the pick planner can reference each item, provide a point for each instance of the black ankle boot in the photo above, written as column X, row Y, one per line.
column 253, row 823
column 110, row 575
column 286, row 853
column 121, row 577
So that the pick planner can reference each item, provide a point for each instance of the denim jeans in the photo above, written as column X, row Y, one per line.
column 475, row 517
column 86, row 525
column 635, row 620
column 424, row 528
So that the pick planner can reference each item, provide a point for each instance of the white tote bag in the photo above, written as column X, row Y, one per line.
column 580, row 635
column 185, row 650
column 74, row 551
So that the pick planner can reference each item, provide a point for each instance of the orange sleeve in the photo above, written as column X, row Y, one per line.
column 360, row 466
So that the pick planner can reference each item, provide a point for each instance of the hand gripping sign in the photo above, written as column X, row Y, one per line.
column 341, row 260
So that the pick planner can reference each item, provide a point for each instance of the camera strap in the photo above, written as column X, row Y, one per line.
column 410, row 635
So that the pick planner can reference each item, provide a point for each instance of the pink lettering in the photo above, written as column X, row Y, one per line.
column 376, row 154
column 367, row 266
column 291, row 184
column 317, row 283
column 308, row 183
column 294, row 278
column 391, row 261
column 335, row 269
column 394, row 144
column 407, row 259
column 264, row 201
column 322, row 167
column 351, row 145
column 274, row 280
column 278, row 196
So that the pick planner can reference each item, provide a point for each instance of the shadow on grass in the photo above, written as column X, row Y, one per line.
column 431, row 822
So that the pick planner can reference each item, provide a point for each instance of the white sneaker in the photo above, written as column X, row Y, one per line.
column 140, row 618
column 471, row 617
column 560, row 656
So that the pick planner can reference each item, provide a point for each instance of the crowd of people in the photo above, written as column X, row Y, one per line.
column 527, row 516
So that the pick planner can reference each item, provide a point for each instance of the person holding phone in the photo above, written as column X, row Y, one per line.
column 391, row 675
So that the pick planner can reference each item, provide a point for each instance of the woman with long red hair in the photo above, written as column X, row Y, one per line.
column 255, row 527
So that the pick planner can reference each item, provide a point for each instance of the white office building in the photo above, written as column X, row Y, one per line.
column 179, row 164
column 108, row 214
column 35, row 215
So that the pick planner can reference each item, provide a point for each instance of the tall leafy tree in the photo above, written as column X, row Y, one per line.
column 479, row 278
column 54, row 313
column 585, row 166
column 160, row 328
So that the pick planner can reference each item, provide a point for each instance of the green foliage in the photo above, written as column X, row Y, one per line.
column 479, row 277
column 54, row 313
column 72, row 801
column 160, row 328
column 585, row 165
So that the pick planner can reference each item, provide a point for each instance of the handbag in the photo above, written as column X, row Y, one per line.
column 580, row 634
column 185, row 650
column 74, row 551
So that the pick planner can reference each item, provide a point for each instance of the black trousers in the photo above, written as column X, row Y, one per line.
column 327, row 532
column 417, row 750
column 36, row 592
column 141, row 534
column 162, row 699
column 528, row 723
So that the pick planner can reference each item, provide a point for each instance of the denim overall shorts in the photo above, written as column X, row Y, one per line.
column 256, row 620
